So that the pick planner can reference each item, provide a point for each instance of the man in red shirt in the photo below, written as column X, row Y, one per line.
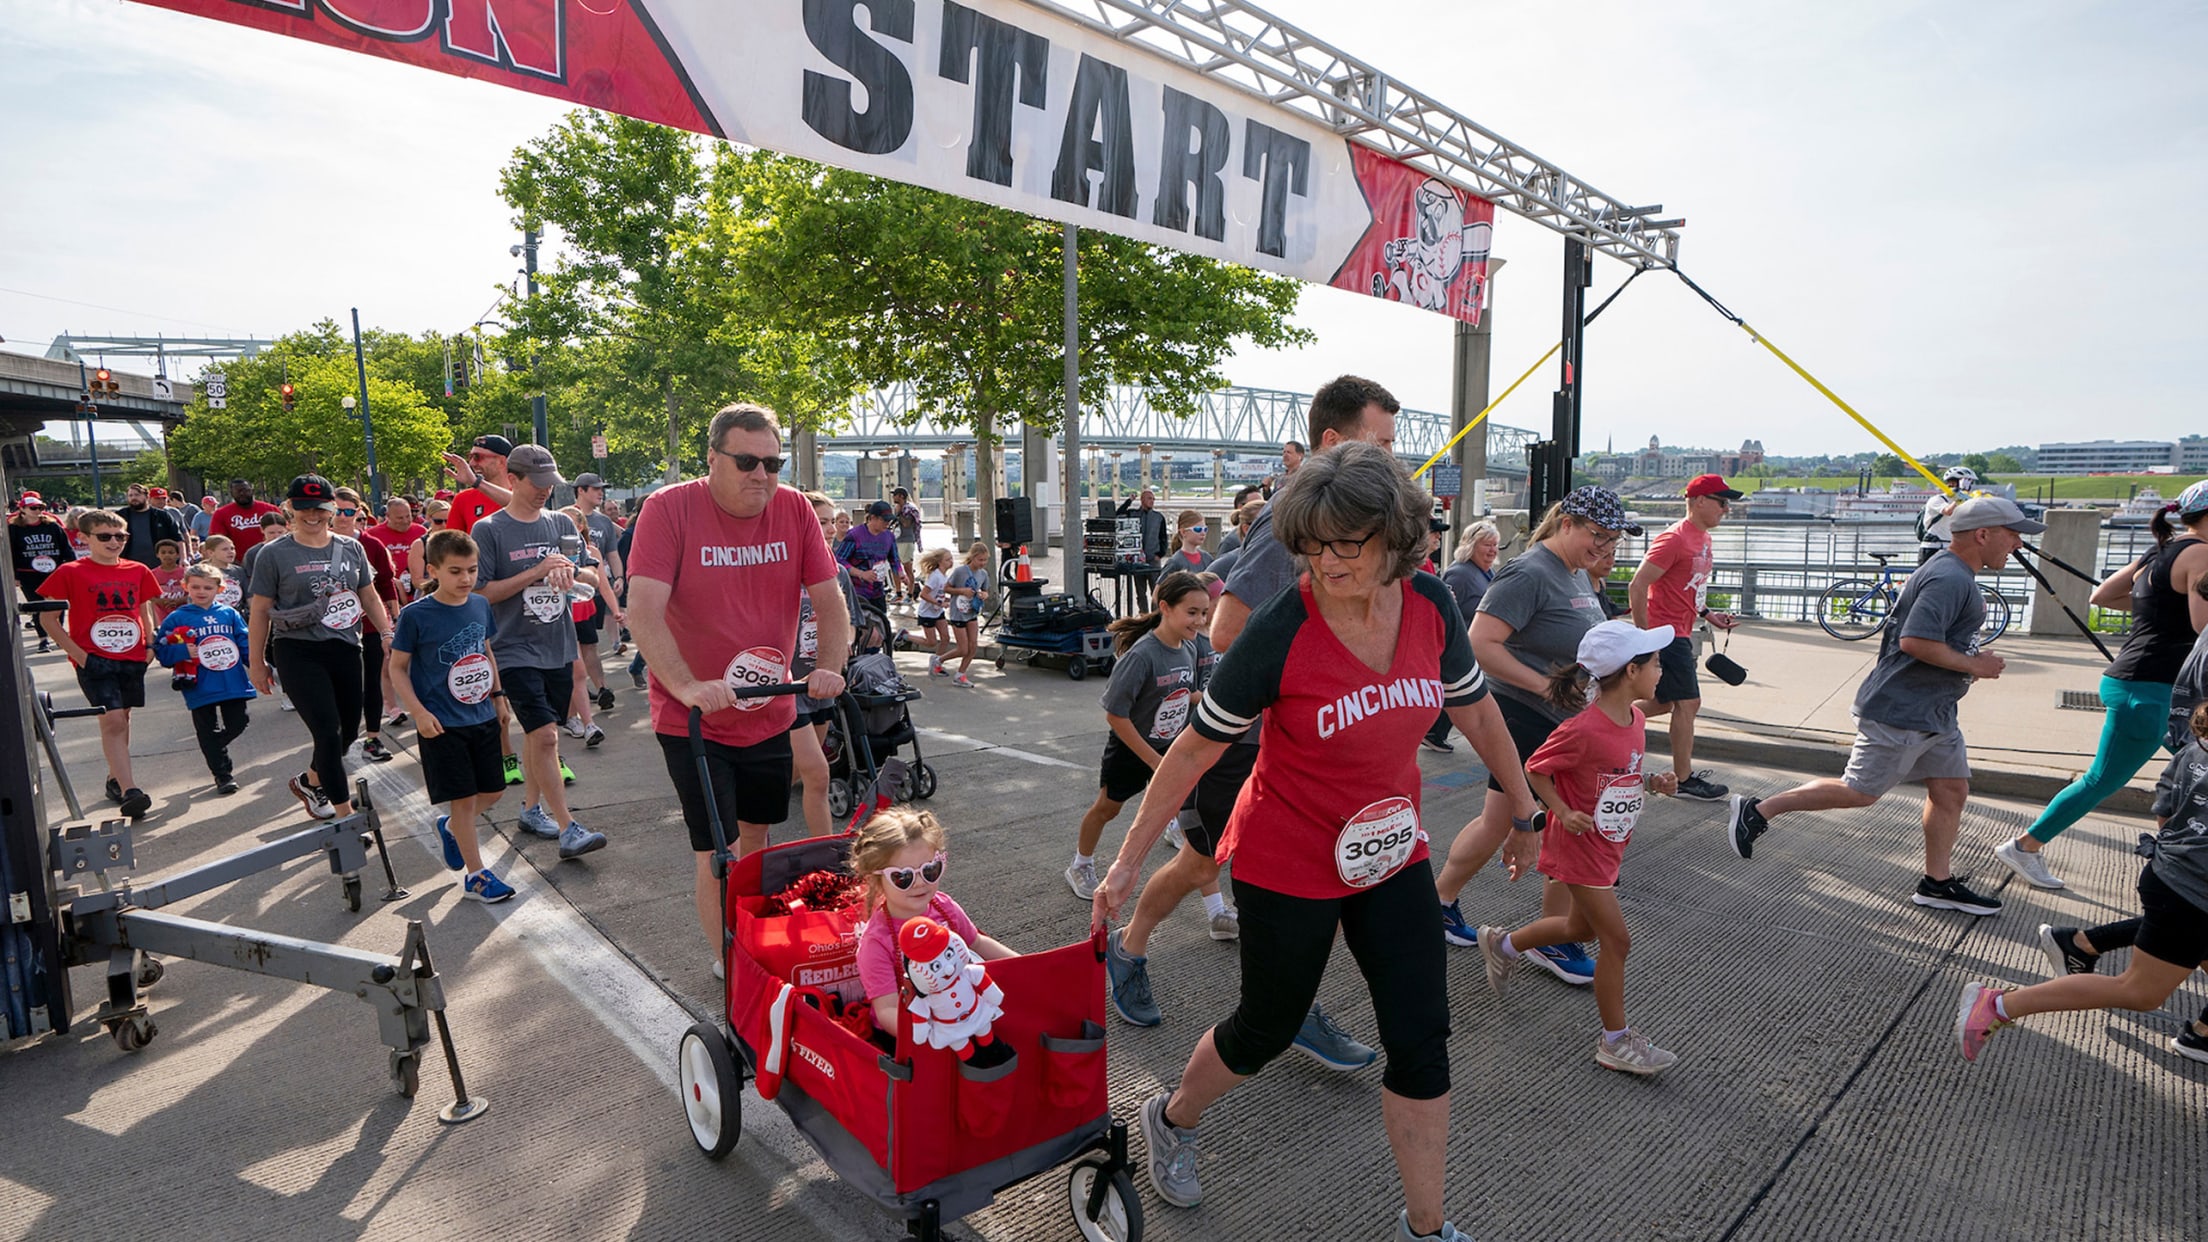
column 1669, row 589
column 716, row 568
column 482, row 478
column 241, row 518
column 398, row 530
column 110, row 619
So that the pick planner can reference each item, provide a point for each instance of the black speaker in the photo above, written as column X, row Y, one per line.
column 1015, row 520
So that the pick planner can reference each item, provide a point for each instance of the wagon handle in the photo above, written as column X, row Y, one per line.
column 721, row 856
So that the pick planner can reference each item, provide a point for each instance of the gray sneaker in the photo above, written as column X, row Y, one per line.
column 1447, row 1232
column 578, row 841
column 1498, row 965
column 1129, row 977
column 1227, row 924
column 1081, row 878
column 1324, row 1041
column 1172, row 1161
column 538, row 824
column 2031, row 866
column 1631, row 1053
column 1698, row 787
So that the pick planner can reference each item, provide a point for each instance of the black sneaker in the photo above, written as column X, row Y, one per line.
column 605, row 698
column 2060, row 944
column 1698, row 788
column 2190, row 1044
column 114, row 791
column 373, row 751
column 136, row 803
column 1743, row 824
column 1438, row 745
column 226, row 786
column 1953, row 894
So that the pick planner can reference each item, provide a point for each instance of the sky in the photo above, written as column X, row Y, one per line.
column 1943, row 210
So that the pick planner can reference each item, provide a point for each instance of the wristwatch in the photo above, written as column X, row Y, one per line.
column 1539, row 821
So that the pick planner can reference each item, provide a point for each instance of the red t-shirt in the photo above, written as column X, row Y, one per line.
column 172, row 591
column 394, row 541
column 242, row 524
column 1332, row 806
column 104, row 616
column 734, row 608
column 1683, row 552
column 468, row 508
column 1596, row 764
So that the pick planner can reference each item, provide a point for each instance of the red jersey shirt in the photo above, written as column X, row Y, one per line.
column 1596, row 764
column 394, row 541
column 1683, row 552
column 734, row 609
column 1332, row 806
column 241, row 522
column 468, row 508
column 104, row 614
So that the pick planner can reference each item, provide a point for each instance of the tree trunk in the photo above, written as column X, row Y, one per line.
column 674, row 435
column 985, row 474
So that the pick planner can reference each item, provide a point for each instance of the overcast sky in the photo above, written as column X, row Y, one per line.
column 1948, row 211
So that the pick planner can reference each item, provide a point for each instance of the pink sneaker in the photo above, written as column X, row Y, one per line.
column 961, row 679
column 1976, row 1019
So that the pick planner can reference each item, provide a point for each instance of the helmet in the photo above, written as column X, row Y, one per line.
column 1961, row 476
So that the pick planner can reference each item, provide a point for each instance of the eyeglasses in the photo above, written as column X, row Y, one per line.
column 1609, row 540
column 902, row 877
column 1346, row 549
column 746, row 462
column 111, row 536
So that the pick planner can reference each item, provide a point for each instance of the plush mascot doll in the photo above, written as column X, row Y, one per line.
column 955, row 1003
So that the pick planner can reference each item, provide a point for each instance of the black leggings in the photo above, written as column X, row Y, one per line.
column 1390, row 931
column 218, row 725
column 2109, row 937
column 371, row 679
column 323, row 680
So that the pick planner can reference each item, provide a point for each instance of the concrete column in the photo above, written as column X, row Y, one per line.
column 1096, row 480
column 1218, row 474
column 1115, row 477
column 1468, row 396
column 1142, row 467
column 805, row 447
column 2073, row 535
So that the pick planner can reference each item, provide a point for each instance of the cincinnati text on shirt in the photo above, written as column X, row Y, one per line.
column 1423, row 693
column 711, row 556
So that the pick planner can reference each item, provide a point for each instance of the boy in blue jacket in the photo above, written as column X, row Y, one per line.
column 203, row 644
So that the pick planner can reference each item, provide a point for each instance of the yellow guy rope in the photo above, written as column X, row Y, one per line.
column 1833, row 397
column 1421, row 471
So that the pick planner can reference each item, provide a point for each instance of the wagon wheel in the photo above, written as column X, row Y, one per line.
column 1119, row 1217
column 712, row 1090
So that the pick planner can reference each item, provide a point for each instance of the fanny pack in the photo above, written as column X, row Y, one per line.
column 304, row 617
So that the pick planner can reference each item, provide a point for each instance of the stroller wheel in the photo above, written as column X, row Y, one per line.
column 923, row 781
column 712, row 1089
column 839, row 797
column 1119, row 1216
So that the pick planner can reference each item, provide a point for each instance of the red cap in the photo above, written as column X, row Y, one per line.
column 32, row 500
column 206, row 500
column 443, row 494
column 161, row 492
column 1710, row 485
column 923, row 939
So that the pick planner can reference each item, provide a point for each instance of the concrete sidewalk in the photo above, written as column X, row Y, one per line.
column 1819, row 1096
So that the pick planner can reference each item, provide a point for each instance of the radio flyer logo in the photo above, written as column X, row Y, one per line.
column 752, row 668
column 1428, row 242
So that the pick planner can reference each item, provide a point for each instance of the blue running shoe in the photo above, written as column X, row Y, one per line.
column 1568, row 962
column 1129, row 979
column 488, row 888
column 1455, row 930
column 453, row 861
column 1328, row 1044
column 537, row 823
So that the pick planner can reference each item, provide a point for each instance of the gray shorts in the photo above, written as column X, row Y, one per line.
column 1884, row 756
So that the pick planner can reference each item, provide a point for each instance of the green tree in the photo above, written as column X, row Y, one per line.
column 149, row 467
column 1978, row 464
column 2002, row 463
column 1888, row 466
column 964, row 300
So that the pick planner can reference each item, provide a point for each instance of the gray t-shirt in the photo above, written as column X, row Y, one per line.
column 604, row 535
column 535, row 628
column 2191, row 688
column 1939, row 602
column 2181, row 850
column 1549, row 609
column 1196, row 564
column 966, row 607
column 1154, row 686
column 1263, row 567
column 327, row 580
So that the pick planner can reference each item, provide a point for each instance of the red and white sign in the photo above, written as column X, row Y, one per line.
column 999, row 101
column 598, row 447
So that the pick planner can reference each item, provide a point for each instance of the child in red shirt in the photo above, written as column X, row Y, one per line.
column 110, row 621
column 170, row 575
column 1588, row 774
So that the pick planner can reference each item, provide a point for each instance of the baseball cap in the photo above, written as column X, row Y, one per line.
column 1710, row 485
column 206, row 500
column 311, row 491
column 588, row 480
column 443, row 493
column 495, row 444
column 32, row 500
column 1981, row 512
column 1601, row 506
column 880, row 509
column 2191, row 502
column 898, row 491
column 1612, row 645
column 158, row 493
column 534, row 463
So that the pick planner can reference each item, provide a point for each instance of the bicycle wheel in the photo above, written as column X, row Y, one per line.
column 1997, row 615
column 1854, row 608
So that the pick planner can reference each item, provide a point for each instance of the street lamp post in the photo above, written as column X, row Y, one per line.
column 537, row 424
column 367, row 421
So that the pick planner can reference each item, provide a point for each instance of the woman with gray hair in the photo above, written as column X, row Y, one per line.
column 1346, row 670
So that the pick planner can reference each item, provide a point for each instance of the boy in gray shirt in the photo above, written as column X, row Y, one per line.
column 1905, row 710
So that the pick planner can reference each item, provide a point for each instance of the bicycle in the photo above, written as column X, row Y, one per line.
column 1853, row 609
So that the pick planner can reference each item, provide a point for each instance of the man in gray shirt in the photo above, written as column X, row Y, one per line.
column 590, row 497
column 1905, row 709
column 524, row 574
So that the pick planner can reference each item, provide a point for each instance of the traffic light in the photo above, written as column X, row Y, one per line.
column 460, row 378
column 284, row 390
column 103, row 380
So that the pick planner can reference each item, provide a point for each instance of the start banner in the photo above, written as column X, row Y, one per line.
column 1009, row 102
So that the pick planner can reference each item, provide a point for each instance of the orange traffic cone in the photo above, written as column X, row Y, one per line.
column 1024, row 570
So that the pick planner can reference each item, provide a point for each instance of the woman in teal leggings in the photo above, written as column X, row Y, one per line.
column 2162, row 591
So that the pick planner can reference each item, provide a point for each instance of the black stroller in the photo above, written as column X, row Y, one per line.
column 878, row 703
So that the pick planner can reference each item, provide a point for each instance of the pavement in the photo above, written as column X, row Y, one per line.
column 1819, row 1094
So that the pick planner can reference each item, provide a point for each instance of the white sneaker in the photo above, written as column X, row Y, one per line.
column 1173, row 835
column 1226, row 925
column 1633, row 1054
column 1081, row 877
column 2032, row 867
column 576, row 728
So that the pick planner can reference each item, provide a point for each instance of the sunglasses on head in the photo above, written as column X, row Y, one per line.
column 902, row 877
column 748, row 462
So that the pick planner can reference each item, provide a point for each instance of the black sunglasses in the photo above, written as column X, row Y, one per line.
column 107, row 536
column 747, row 463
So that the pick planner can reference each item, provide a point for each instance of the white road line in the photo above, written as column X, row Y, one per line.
column 1028, row 756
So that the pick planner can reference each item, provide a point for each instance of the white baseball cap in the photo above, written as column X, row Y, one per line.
column 1612, row 645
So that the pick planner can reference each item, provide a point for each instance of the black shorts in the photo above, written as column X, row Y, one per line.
column 751, row 784
column 112, row 684
column 463, row 762
column 1679, row 684
column 1122, row 775
column 2174, row 930
column 1529, row 727
column 818, row 716
column 1216, row 793
column 538, row 696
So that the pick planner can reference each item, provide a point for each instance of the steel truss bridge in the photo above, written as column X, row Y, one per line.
column 1233, row 420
